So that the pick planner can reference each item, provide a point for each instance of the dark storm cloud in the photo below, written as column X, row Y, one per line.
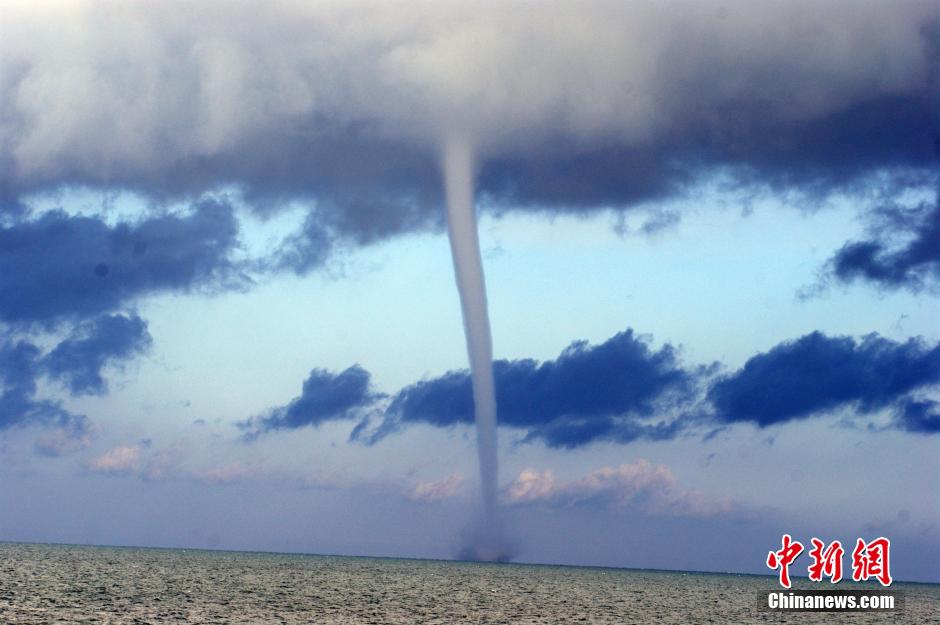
column 622, row 390
column 107, row 339
column 59, row 266
column 366, row 189
column 576, row 108
column 920, row 416
column 912, row 264
column 571, row 433
column 301, row 252
column 815, row 156
column 816, row 374
column 326, row 396
column 588, row 393
column 19, row 369
column 77, row 361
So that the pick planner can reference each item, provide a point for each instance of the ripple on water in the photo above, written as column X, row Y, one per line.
column 71, row 584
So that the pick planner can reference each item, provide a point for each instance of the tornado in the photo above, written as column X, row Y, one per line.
column 458, row 168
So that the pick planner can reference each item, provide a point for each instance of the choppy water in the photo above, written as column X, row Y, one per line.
column 71, row 584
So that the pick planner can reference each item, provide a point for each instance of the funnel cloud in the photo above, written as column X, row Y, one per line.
column 468, row 269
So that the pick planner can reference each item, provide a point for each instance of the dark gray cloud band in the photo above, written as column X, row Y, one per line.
column 573, row 108
column 623, row 390
column 913, row 263
column 19, row 370
column 602, row 392
column 816, row 374
column 922, row 417
column 60, row 267
column 325, row 396
column 78, row 362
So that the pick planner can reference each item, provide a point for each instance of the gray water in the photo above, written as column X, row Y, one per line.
column 73, row 584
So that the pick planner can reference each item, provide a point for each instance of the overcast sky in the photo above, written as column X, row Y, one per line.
column 711, row 238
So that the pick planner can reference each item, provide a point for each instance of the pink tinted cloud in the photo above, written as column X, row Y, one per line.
column 435, row 491
column 641, row 486
column 122, row 460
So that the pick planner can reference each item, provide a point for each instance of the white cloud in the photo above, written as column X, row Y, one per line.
column 108, row 89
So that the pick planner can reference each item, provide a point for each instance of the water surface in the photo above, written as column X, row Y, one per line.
column 77, row 584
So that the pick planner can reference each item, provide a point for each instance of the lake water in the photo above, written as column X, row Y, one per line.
column 74, row 584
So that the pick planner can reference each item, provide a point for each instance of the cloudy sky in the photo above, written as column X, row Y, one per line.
column 711, row 237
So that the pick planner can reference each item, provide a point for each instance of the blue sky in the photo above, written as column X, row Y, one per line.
column 247, row 335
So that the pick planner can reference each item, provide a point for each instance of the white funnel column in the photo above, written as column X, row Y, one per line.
column 468, row 267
